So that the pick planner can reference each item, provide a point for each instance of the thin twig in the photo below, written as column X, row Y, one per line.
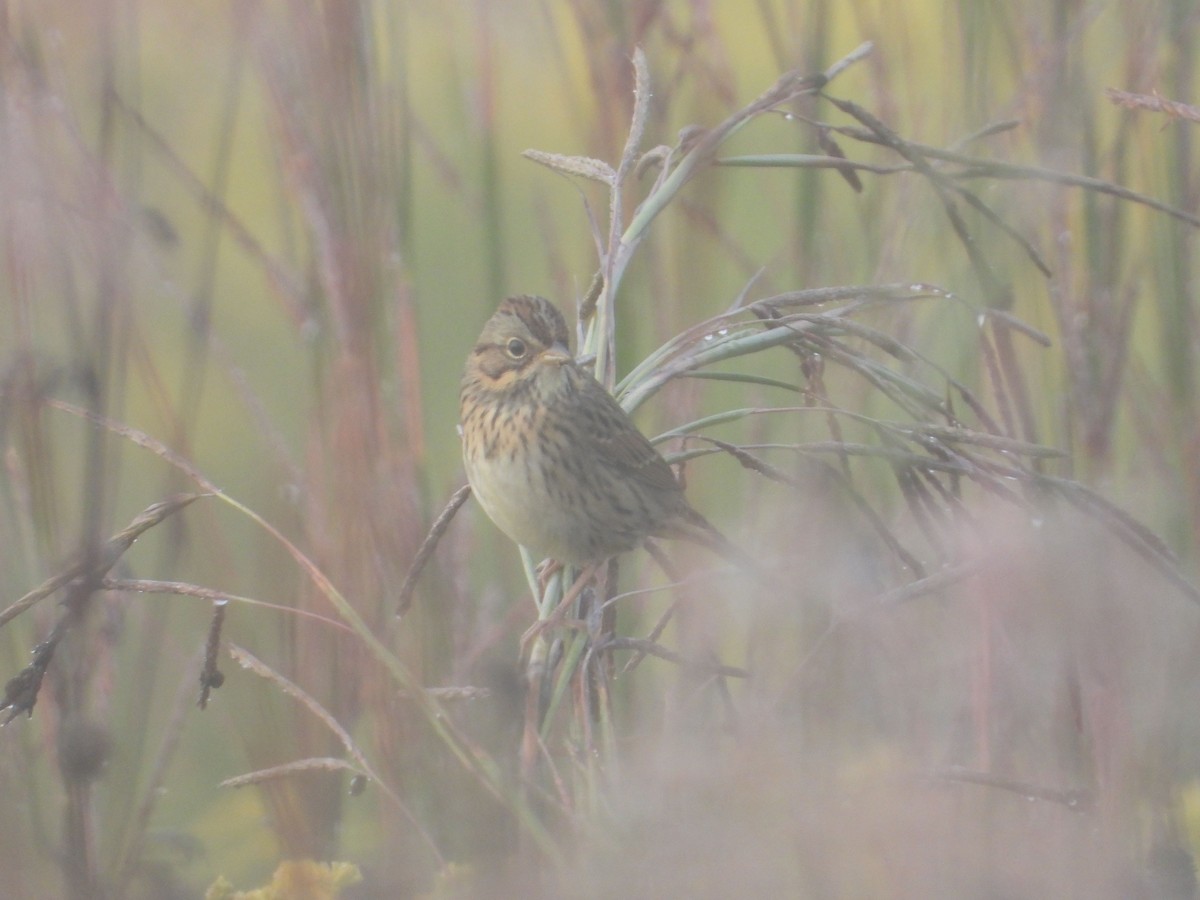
column 105, row 558
column 658, row 650
column 250, row 662
column 457, row 499
column 1154, row 103
column 1076, row 800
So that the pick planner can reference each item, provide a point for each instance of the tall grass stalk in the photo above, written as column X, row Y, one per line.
column 918, row 328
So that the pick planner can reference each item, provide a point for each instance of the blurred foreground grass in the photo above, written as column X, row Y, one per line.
column 260, row 239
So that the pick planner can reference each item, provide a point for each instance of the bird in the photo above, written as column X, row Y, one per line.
column 553, row 459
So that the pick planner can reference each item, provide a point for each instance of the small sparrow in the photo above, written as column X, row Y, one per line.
column 554, row 460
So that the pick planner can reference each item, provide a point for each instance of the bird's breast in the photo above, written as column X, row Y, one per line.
column 514, row 478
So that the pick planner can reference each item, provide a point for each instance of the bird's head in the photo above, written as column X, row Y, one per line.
column 525, row 339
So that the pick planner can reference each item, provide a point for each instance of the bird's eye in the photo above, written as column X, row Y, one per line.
column 516, row 348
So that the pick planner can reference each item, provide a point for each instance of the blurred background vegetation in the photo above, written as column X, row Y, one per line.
column 247, row 246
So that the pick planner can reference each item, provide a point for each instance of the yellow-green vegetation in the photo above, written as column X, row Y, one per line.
column 905, row 291
column 295, row 879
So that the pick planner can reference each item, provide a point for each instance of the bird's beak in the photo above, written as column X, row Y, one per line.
column 558, row 354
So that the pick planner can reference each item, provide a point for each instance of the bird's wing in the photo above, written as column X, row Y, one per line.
column 618, row 443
